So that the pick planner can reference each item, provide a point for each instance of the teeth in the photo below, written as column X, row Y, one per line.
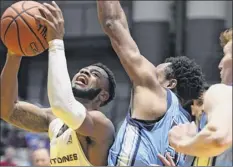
column 82, row 80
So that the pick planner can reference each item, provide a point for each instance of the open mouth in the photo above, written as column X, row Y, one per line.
column 82, row 80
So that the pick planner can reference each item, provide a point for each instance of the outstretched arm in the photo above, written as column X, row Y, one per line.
column 216, row 136
column 21, row 114
column 114, row 23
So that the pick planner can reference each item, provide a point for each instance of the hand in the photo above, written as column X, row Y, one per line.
column 179, row 134
column 53, row 19
column 167, row 161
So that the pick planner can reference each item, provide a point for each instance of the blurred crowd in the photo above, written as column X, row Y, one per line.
column 20, row 148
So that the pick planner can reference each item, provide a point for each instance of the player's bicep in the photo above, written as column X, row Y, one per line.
column 216, row 95
column 217, row 105
column 30, row 117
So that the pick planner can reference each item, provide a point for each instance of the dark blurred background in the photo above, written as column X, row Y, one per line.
column 160, row 28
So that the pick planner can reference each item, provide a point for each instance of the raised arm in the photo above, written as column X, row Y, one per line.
column 21, row 114
column 114, row 23
column 60, row 94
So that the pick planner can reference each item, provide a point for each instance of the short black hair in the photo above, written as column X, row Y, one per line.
column 111, row 82
column 189, row 76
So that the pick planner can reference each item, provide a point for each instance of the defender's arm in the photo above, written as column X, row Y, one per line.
column 114, row 23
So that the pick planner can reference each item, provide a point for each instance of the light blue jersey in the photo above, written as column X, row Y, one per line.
column 224, row 159
column 138, row 143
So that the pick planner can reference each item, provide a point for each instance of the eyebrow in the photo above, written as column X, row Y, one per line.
column 103, row 75
column 95, row 71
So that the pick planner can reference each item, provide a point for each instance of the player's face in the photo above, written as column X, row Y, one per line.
column 225, row 65
column 161, row 71
column 89, row 82
column 197, row 107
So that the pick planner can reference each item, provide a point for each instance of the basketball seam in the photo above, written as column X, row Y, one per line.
column 30, row 28
column 14, row 18
column 19, row 37
column 34, row 18
column 20, row 13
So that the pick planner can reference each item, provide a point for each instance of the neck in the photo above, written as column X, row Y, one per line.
column 88, row 104
column 181, row 101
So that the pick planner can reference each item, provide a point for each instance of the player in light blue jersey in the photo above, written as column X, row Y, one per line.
column 158, row 95
column 214, row 140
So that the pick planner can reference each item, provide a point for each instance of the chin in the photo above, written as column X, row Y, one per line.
column 80, row 87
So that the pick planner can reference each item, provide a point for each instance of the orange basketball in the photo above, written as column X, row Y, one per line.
column 20, row 32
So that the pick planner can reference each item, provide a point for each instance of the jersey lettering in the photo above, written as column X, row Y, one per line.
column 63, row 159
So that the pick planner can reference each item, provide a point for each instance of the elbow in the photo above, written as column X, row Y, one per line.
column 4, row 114
column 57, row 106
column 219, row 145
column 6, row 110
column 222, row 141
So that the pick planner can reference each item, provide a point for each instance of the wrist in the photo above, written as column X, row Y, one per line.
column 56, row 44
column 12, row 54
column 13, row 57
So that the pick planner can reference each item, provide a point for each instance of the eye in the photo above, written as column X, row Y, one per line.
column 95, row 74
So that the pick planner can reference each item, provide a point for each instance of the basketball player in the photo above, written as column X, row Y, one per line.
column 155, row 106
column 195, row 107
column 80, row 134
column 216, row 137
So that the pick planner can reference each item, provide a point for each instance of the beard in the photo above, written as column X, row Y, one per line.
column 88, row 94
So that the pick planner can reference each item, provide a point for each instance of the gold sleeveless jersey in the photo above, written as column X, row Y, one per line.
column 201, row 161
column 65, row 148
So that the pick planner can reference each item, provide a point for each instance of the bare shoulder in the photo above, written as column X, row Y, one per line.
column 219, row 92
column 104, row 126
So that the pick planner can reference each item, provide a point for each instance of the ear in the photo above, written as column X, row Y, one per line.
column 172, row 84
column 104, row 95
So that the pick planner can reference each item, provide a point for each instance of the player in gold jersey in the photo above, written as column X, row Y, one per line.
column 80, row 134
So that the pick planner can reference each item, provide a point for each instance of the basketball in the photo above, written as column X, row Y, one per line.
column 20, row 32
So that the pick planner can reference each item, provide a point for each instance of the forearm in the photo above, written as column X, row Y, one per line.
column 109, row 12
column 207, row 143
column 9, row 85
column 114, row 23
column 60, row 94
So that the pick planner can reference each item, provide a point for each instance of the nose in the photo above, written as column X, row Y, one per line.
column 220, row 65
column 85, row 72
